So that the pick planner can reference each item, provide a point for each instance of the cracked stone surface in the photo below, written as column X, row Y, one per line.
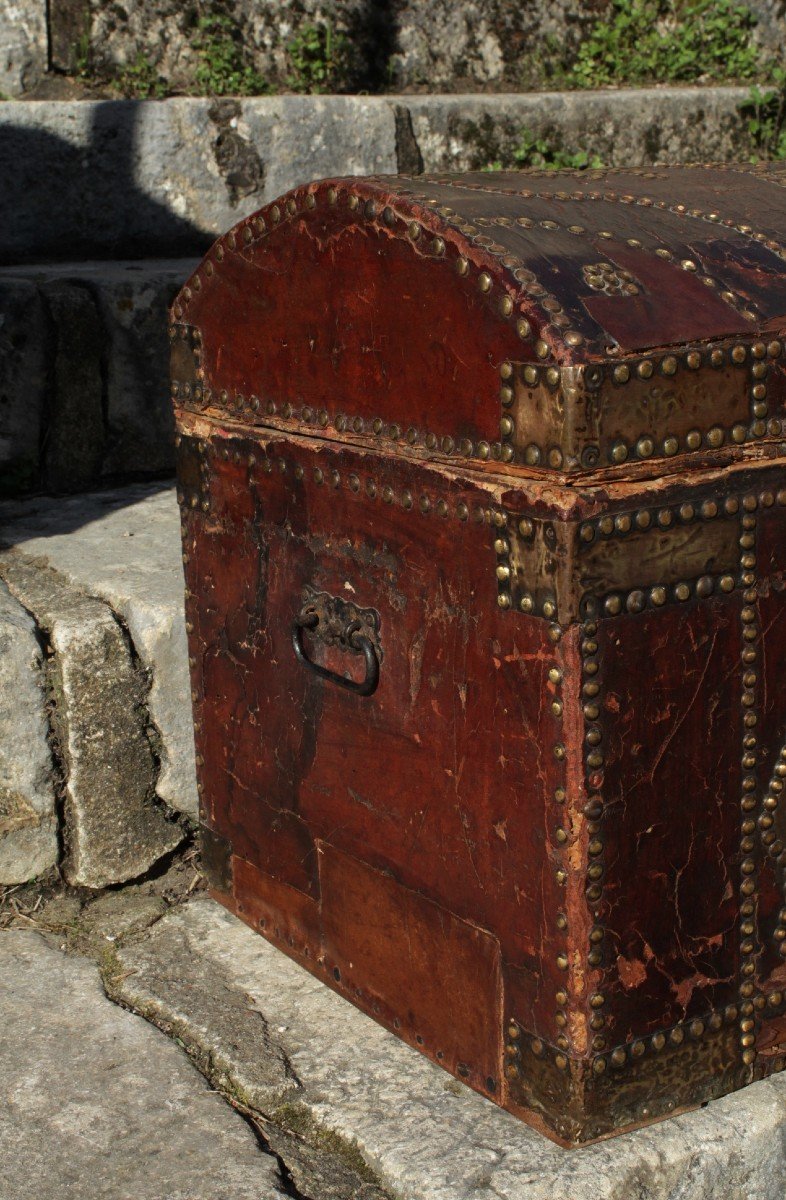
column 28, row 820
column 115, row 825
column 425, row 1135
column 123, row 546
column 98, row 1103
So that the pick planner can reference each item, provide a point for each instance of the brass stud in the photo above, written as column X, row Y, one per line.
column 619, row 452
column 506, row 306
column 523, row 328
column 738, row 354
column 669, row 365
column 693, row 439
column 462, row 266
column 693, row 359
column 484, row 281
column 644, row 369
column 541, row 349
column 645, row 447
column 621, row 373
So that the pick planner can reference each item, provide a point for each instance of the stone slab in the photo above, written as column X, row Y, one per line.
column 425, row 1135
column 84, row 373
column 633, row 127
column 133, row 178
column 28, row 818
column 115, row 178
column 123, row 546
column 115, row 827
column 96, row 1102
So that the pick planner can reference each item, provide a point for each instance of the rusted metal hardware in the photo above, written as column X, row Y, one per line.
column 527, row 431
column 337, row 622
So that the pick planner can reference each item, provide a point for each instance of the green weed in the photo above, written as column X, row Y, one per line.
column 223, row 69
column 533, row 151
column 668, row 41
column 766, row 118
column 140, row 80
column 318, row 56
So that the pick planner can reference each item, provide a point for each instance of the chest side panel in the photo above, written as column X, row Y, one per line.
column 429, row 793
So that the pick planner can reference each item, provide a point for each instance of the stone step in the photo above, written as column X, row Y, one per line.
column 98, row 1103
column 96, row 744
column 84, row 361
column 112, row 178
column 312, row 1066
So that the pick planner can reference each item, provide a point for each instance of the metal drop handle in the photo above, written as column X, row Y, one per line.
column 354, row 640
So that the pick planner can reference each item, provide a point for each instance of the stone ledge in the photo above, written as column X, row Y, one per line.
column 143, row 178
column 424, row 1135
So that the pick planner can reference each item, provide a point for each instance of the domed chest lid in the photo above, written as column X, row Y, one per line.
column 571, row 322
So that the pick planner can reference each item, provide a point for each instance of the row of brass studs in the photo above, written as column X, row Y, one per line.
column 199, row 497
column 748, row 803
column 682, row 210
column 300, row 204
column 643, row 519
column 591, row 700
column 683, row 1033
column 561, row 837
column 425, row 503
column 640, row 599
column 449, row 446
column 686, row 1031
column 559, row 324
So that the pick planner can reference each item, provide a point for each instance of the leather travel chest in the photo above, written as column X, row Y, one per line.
column 484, row 528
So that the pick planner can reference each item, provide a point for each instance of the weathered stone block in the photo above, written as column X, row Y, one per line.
column 84, row 372
column 98, row 1103
column 123, row 546
column 24, row 353
column 74, row 447
column 23, row 45
column 28, row 818
column 115, row 827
